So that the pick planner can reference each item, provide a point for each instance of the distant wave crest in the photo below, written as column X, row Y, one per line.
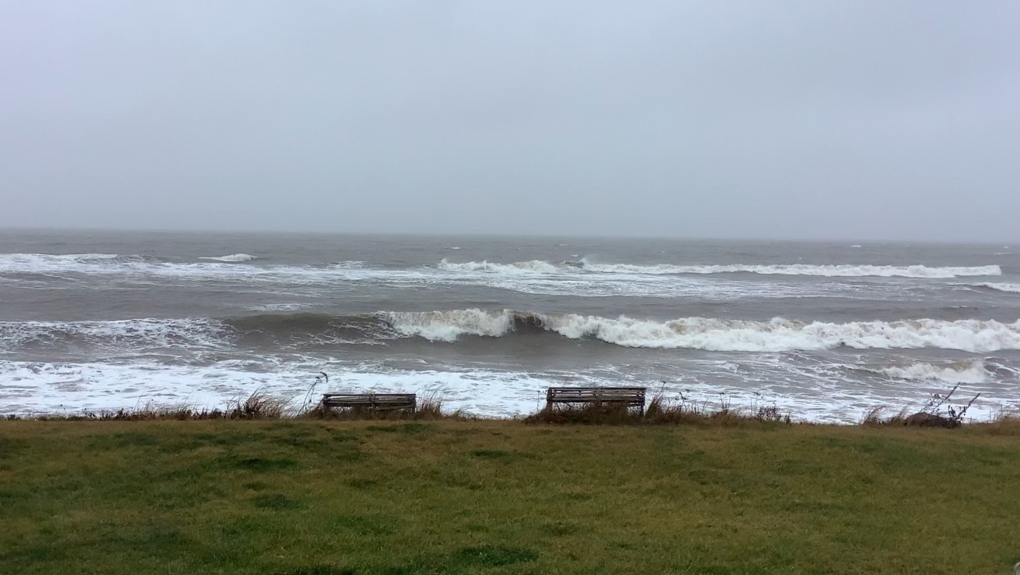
column 1004, row 287
column 31, row 262
column 528, row 267
column 232, row 258
column 833, row 270
column 136, row 265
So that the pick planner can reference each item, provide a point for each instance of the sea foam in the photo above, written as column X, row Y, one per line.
column 1003, row 287
column 957, row 373
column 833, row 270
column 232, row 258
column 842, row 270
column 44, row 263
column 533, row 266
column 186, row 333
column 786, row 335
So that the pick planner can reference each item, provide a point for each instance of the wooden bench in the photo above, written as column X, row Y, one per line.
column 370, row 401
column 622, row 396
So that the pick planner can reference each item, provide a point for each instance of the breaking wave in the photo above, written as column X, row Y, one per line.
column 834, row 270
column 716, row 334
column 533, row 266
column 113, row 264
column 233, row 258
column 450, row 325
column 708, row 334
column 1004, row 287
column 842, row 270
column 43, row 263
column 961, row 372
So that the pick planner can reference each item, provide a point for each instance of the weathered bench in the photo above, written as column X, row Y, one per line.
column 617, row 396
column 370, row 401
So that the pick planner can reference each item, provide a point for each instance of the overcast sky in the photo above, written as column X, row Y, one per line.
column 798, row 119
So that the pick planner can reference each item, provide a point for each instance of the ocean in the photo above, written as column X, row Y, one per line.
column 101, row 320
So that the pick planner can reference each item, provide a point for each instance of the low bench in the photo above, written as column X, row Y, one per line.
column 370, row 401
column 621, row 396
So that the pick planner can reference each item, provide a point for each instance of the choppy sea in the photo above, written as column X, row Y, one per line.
column 824, row 331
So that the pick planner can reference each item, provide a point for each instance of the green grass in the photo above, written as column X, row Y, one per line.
column 487, row 497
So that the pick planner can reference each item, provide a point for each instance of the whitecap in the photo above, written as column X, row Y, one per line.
column 450, row 325
column 787, row 335
column 527, row 267
column 1003, row 287
column 713, row 334
column 232, row 258
column 956, row 373
column 829, row 270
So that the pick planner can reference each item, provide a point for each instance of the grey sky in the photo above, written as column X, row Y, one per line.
column 807, row 119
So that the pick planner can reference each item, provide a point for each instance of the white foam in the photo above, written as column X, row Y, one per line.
column 280, row 307
column 533, row 266
column 44, row 388
column 450, row 325
column 232, row 258
column 835, row 270
column 69, row 388
column 485, row 272
column 842, row 270
column 957, row 373
column 187, row 333
column 46, row 263
column 786, row 335
column 1004, row 287
column 348, row 265
column 139, row 268
column 102, row 264
column 531, row 277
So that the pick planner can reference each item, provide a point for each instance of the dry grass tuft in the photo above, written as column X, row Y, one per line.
column 149, row 412
column 258, row 405
column 588, row 414
column 660, row 411
column 938, row 411
column 430, row 407
column 1005, row 422
column 874, row 417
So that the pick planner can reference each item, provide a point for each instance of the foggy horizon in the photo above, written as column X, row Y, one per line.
column 856, row 122
column 496, row 235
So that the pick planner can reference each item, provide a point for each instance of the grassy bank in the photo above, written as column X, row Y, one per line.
column 402, row 497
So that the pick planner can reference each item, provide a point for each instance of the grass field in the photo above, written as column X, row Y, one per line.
column 391, row 497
